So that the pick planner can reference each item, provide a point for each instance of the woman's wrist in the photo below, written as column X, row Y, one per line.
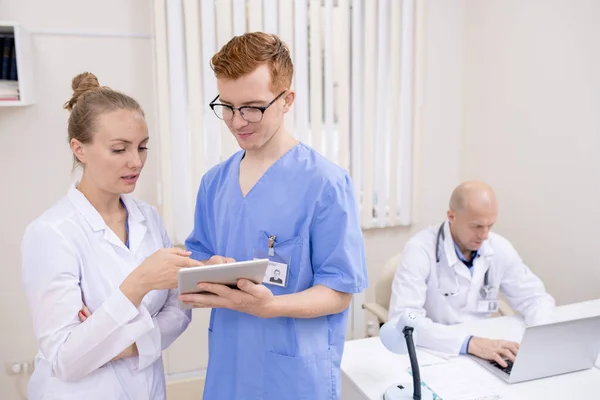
column 134, row 288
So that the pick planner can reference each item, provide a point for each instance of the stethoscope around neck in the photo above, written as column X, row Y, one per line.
column 441, row 236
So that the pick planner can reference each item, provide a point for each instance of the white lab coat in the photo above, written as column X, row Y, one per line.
column 415, row 287
column 71, row 257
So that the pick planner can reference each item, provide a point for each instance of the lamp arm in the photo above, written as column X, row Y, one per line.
column 412, row 354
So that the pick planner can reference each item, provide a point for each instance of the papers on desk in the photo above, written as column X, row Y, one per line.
column 472, row 383
column 439, row 354
column 430, row 358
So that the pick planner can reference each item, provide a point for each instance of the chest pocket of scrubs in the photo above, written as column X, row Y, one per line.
column 288, row 250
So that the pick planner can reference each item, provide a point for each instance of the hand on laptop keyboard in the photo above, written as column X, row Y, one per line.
column 493, row 350
column 506, row 369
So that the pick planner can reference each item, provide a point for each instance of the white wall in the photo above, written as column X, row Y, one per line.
column 35, row 160
column 532, row 129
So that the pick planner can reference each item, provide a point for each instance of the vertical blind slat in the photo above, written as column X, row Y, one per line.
column 316, row 71
column 370, row 37
column 301, row 104
column 353, row 78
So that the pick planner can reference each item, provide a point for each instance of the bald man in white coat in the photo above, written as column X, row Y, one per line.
column 453, row 272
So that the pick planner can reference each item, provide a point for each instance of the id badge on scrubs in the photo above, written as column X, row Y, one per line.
column 488, row 303
column 278, row 268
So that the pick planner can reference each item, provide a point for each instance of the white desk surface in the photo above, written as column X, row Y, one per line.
column 368, row 368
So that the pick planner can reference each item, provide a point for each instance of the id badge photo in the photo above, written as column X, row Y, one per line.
column 278, row 268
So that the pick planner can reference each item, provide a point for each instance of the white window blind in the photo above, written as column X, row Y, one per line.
column 353, row 61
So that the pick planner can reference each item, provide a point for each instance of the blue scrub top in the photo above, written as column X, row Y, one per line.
column 308, row 203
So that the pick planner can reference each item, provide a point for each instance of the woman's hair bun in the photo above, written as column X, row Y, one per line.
column 82, row 83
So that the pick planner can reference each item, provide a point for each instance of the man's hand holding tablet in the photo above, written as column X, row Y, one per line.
column 225, row 283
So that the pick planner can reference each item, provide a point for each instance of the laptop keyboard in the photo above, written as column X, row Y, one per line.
column 507, row 369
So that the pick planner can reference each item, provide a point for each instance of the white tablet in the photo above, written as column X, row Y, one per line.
column 226, row 274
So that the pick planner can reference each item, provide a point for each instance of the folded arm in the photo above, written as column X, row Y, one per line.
column 51, row 276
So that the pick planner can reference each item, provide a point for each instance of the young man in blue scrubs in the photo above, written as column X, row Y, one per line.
column 280, row 199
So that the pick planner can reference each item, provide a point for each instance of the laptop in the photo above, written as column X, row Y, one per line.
column 551, row 349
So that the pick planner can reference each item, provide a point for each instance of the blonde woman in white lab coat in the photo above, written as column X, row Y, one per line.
column 102, row 251
column 453, row 273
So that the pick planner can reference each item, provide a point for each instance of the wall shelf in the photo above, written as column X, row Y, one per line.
column 24, row 65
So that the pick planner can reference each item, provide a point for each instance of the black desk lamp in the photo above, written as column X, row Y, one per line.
column 398, row 336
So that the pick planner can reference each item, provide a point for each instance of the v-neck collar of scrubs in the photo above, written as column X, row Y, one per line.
column 265, row 175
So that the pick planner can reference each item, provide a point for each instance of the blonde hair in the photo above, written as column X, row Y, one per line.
column 89, row 101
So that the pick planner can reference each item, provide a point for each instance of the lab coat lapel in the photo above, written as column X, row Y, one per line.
column 137, row 223
column 113, row 239
column 486, row 249
column 92, row 216
column 484, row 262
column 137, row 231
column 86, row 209
column 451, row 256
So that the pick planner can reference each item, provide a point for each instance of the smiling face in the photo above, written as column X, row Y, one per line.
column 253, row 69
column 115, row 156
column 254, row 89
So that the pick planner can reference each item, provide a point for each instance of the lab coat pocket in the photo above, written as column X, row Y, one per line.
column 101, row 383
column 286, row 254
column 306, row 377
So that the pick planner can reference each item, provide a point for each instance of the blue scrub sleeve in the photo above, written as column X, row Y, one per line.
column 338, row 253
column 199, row 241
column 465, row 346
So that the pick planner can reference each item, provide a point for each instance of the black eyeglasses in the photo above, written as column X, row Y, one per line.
column 248, row 113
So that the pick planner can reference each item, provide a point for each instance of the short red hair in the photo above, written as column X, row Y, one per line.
column 243, row 54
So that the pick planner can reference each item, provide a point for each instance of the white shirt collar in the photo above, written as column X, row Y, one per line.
column 93, row 217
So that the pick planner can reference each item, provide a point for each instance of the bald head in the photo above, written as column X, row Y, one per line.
column 473, row 211
column 473, row 195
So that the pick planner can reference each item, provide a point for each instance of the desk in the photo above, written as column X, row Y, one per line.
column 368, row 368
